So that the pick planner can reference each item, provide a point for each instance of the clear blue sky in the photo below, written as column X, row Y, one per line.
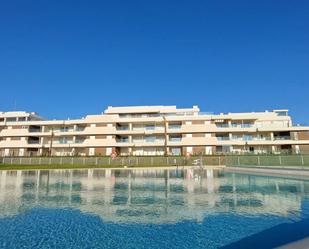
column 71, row 58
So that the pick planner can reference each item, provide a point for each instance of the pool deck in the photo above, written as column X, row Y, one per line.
column 300, row 244
column 286, row 171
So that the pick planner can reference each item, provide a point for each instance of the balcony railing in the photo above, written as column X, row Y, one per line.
column 34, row 130
column 122, row 128
column 223, row 138
column 222, row 125
column 79, row 141
column 175, row 139
column 174, row 127
column 33, row 141
column 122, row 140
column 282, row 137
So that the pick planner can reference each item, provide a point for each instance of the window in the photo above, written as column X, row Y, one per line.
column 236, row 137
column 234, row 124
column 174, row 126
column 222, row 137
column 223, row 125
column 10, row 119
column 175, row 138
column 150, row 127
column 283, row 113
column 248, row 137
column 63, row 140
column 150, row 138
column 64, row 129
column 246, row 125
column 176, row 151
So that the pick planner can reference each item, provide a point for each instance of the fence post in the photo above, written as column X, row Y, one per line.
column 136, row 161
column 84, row 160
column 302, row 160
column 219, row 160
column 11, row 160
column 151, row 161
column 259, row 163
column 109, row 161
column 19, row 161
column 167, row 161
column 30, row 161
column 280, row 161
column 49, row 161
column 238, row 160
column 96, row 161
column 72, row 160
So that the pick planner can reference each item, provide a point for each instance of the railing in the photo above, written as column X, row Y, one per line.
column 205, row 113
column 136, row 161
column 174, row 127
column 34, row 130
column 223, row 138
column 130, row 161
column 33, row 142
column 282, row 137
column 267, row 160
column 122, row 140
column 79, row 141
column 122, row 128
column 175, row 139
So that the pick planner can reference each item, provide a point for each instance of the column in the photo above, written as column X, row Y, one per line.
column 21, row 152
column 189, row 148
column 92, row 139
column 109, row 150
column 297, row 150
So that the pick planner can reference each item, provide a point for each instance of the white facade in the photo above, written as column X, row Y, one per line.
column 152, row 130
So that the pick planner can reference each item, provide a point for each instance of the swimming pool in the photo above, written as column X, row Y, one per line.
column 179, row 208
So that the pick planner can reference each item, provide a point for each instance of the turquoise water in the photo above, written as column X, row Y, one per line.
column 150, row 209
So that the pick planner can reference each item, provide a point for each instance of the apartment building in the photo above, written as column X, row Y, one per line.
column 152, row 130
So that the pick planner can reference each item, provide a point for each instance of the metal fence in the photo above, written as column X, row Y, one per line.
column 116, row 162
column 267, row 160
column 228, row 160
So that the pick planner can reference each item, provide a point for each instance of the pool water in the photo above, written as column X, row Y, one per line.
column 179, row 208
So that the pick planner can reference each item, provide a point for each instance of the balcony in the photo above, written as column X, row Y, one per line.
column 174, row 126
column 282, row 138
column 222, row 125
column 64, row 129
column 225, row 138
column 122, row 140
column 33, row 141
column 246, row 125
column 175, row 139
column 79, row 141
column 122, row 128
column 80, row 128
column 32, row 130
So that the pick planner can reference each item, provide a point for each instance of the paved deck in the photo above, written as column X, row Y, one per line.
column 288, row 171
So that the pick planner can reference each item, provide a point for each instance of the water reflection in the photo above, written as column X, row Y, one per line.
column 151, row 196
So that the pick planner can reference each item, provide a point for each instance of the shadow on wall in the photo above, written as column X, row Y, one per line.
column 274, row 237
